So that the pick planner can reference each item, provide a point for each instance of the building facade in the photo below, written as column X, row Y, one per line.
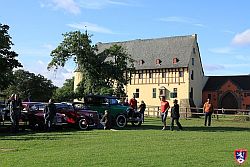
column 228, row 92
column 168, row 67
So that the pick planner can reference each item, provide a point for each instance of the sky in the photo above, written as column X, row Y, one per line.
column 223, row 29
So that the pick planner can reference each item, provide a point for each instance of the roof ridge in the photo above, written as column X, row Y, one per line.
column 151, row 39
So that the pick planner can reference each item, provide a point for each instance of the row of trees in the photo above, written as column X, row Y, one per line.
column 103, row 72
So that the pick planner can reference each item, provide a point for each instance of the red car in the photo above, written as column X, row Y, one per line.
column 76, row 114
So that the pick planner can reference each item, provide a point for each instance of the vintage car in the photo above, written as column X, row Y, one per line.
column 119, row 113
column 67, row 114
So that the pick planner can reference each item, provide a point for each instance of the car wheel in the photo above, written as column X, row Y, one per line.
column 83, row 124
column 137, row 116
column 121, row 121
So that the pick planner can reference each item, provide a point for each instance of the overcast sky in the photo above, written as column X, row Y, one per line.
column 223, row 28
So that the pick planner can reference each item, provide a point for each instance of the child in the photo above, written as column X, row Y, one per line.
column 106, row 120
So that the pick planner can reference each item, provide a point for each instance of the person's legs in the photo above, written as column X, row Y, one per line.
column 163, row 118
column 209, row 119
column 178, row 123
column 143, row 116
column 205, row 123
column 172, row 124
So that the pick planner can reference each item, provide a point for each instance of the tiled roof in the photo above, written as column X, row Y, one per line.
column 165, row 49
column 215, row 82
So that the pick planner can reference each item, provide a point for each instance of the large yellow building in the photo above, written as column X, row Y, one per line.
column 168, row 67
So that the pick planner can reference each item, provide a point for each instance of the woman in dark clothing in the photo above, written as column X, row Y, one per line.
column 142, row 108
column 175, row 115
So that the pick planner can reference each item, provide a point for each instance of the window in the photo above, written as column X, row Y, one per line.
column 192, row 61
column 194, row 50
column 154, row 92
column 175, row 60
column 192, row 75
column 150, row 75
column 181, row 74
column 141, row 62
column 140, row 75
column 137, row 94
column 174, row 93
column 158, row 61
column 246, row 94
column 163, row 75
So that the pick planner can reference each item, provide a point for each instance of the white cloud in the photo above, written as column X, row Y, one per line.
column 242, row 38
column 228, row 31
column 199, row 25
column 58, row 76
column 48, row 46
column 100, row 4
column 185, row 20
column 177, row 19
column 91, row 27
column 213, row 67
column 222, row 50
column 68, row 5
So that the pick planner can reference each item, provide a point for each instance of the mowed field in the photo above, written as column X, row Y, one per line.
column 143, row 146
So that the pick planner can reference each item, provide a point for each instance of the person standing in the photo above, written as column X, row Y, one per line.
column 133, row 103
column 107, row 120
column 164, row 111
column 208, row 109
column 142, row 108
column 175, row 115
column 15, row 106
column 50, row 113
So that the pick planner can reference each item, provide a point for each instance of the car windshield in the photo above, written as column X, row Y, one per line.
column 63, row 106
column 34, row 107
column 80, row 106
column 112, row 101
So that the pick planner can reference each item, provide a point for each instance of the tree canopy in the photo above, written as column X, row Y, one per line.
column 31, row 87
column 8, row 59
column 66, row 92
column 103, row 72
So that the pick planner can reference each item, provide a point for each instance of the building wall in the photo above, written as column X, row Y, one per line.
column 77, row 78
column 243, row 97
column 199, row 80
column 146, row 90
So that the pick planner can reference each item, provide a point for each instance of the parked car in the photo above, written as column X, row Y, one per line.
column 119, row 113
column 67, row 114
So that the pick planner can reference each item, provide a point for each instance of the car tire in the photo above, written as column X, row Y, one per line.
column 83, row 124
column 137, row 123
column 121, row 121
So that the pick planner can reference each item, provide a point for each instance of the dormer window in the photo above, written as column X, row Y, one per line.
column 158, row 61
column 175, row 60
column 141, row 62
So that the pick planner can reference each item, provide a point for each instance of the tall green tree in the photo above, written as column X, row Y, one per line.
column 8, row 57
column 31, row 87
column 102, row 71
column 66, row 92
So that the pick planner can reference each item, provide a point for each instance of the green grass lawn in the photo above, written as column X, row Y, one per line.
column 143, row 146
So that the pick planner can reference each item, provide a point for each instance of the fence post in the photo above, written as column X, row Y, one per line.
column 186, row 113
column 217, row 114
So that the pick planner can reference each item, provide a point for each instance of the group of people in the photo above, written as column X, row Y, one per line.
column 175, row 113
column 15, row 106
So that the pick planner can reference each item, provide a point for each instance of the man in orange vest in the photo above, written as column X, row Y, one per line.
column 208, row 109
